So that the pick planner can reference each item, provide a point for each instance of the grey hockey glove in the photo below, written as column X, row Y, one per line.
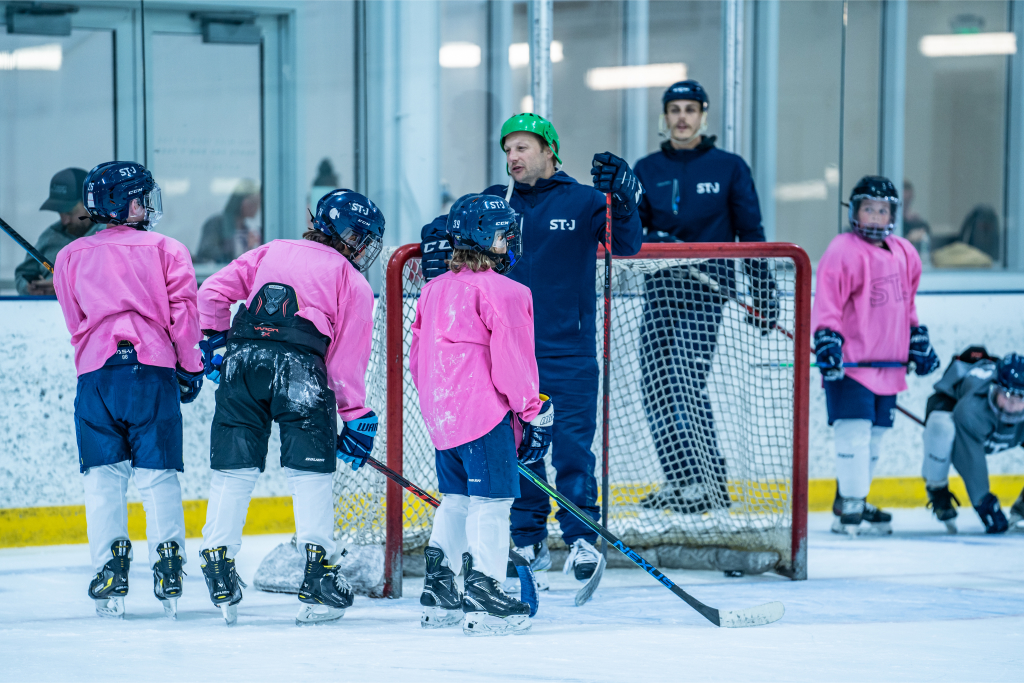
column 613, row 175
column 355, row 443
column 828, row 348
column 537, row 433
column 922, row 357
column 436, row 247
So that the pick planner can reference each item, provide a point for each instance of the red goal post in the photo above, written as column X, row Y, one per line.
column 781, row 493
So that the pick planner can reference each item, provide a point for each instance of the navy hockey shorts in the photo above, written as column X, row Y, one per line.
column 848, row 399
column 129, row 412
column 486, row 467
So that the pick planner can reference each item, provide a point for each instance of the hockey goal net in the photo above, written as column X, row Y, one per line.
column 708, row 412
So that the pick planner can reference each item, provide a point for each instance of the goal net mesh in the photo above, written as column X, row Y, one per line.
column 701, row 413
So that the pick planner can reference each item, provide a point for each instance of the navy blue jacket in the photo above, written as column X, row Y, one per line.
column 699, row 195
column 562, row 225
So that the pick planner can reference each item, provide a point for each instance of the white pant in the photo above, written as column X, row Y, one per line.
column 939, row 433
column 231, row 490
column 858, row 447
column 106, row 509
column 477, row 525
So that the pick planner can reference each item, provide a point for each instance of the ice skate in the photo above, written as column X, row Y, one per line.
column 991, row 515
column 110, row 584
column 325, row 591
column 1017, row 514
column 941, row 501
column 167, row 573
column 880, row 521
column 850, row 515
column 539, row 558
column 587, row 566
column 223, row 582
column 441, row 599
column 489, row 610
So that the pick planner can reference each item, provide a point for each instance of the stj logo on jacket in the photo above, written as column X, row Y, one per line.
column 563, row 224
column 707, row 188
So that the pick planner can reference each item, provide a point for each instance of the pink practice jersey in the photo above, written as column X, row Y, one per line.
column 332, row 294
column 472, row 356
column 131, row 285
column 866, row 293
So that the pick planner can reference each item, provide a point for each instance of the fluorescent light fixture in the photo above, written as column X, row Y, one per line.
column 627, row 77
column 526, row 105
column 519, row 54
column 803, row 191
column 173, row 187
column 968, row 44
column 39, row 58
column 459, row 55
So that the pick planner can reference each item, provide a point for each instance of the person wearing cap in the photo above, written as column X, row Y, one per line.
column 32, row 279
column 694, row 192
column 562, row 223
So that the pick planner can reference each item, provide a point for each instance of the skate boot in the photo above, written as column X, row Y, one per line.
column 325, row 591
column 223, row 582
column 489, row 610
column 582, row 561
column 991, row 515
column 441, row 599
column 1017, row 511
column 539, row 558
column 850, row 514
column 167, row 575
column 880, row 520
column 110, row 584
column 941, row 501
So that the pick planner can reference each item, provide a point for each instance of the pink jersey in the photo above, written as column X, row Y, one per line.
column 472, row 356
column 131, row 285
column 866, row 293
column 332, row 294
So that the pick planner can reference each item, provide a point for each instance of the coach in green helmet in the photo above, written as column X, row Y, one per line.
column 562, row 223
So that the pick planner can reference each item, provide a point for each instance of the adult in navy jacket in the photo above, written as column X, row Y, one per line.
column 562, row 223
column 694, row 193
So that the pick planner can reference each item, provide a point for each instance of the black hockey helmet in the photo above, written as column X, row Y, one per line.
column 685, row 90
column 1010, row 374
column 879, row 188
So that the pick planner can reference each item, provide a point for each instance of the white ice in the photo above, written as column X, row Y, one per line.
column 917, row 606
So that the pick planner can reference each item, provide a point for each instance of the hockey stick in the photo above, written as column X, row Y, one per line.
column 755, row 616
column 607, row 389
column 527, row 581
column 23, row 243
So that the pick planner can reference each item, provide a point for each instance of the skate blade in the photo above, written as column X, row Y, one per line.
column 439, row 617
column 230, row 614
column 877, row 529
column 484, row 624
column 584, row 594
column 170, row 606
column 111, row 608
column 311, row 615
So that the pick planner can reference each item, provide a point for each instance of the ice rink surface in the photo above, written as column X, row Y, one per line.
column 917, row 606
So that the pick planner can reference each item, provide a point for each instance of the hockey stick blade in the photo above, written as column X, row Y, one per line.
column 755, row 616
column 584, row 594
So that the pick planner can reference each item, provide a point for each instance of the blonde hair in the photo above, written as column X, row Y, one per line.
column 469, row 258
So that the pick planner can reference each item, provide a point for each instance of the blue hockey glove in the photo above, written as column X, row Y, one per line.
column 537, row 433
column 212, row 362
column 355, row 443
column 922, row 357
column 828, row 348
column 660, row 237
column 436, row 248
column 613, row 175
column 189, row 384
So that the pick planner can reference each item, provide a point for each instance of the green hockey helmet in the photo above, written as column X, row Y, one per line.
column 531, row 123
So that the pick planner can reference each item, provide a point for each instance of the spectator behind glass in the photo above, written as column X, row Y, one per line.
column 32, row 279
column 915, row 228
column 326, row 181
column 234, row 231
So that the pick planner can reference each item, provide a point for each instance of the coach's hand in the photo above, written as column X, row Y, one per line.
column 613, row 175
column 355, row 443
column 537, row 433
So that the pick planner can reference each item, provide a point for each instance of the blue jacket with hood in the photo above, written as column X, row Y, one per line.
column 699, row 195
column 562, row 224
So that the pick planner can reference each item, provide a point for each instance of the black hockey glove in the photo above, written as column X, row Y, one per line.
column 660, row 237
column 613, row 175
column 922, row 358
column 537, row 433
column 436, row 248
column 766, row 296
column 355, row 443
column 189, row 384
column 212, row 361
column 828, row 348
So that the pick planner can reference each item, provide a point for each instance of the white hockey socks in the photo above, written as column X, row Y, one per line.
column 939, row 433
column 313, row 506
column 230, row 491
column 165, row 517
column 106, row 509
column 877, row 434
column 488, row 532
column 853, row 457
column 449, row 530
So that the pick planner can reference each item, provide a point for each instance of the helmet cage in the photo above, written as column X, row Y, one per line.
column 1005, row 417
column 364, row 247
column 871, row 232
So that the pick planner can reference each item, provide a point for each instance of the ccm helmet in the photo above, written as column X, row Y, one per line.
column 531, row 123
column 110, row 189
column 356, row 221
column 879, row 188
column 473, row 222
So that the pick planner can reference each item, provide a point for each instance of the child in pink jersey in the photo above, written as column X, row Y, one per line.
column 129, row 300
column 472, row 360
column 296, row 352
column 864, row 312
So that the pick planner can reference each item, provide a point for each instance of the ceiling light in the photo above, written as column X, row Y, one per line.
column 644, row 76
column 968, row 44
column 519, row 54
column 459, row 55
column 39, row 58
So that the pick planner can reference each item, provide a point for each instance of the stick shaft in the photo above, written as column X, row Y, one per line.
column 607, row 390
column 23, row 243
